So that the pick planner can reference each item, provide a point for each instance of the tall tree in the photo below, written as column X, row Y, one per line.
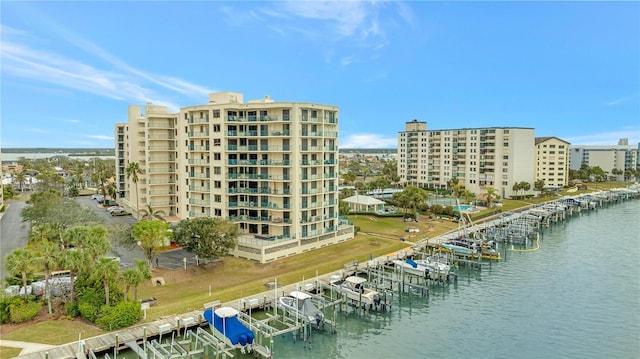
column 467, row 195
column 144, row 272
column 133, row 170
column 402, row 199
column 133, row 277
column 150, row 213
column 76, row 261
column 538, row 185
column 150, row 236
column 49, row 257
column 21, row 178
column 20, row 262
column 206, row 237
column 103, row 270
column 96, row 241
column 416, row 196
column 490, row 195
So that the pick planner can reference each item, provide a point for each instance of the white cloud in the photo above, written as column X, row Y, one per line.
column 357, row 27
column 621, row 100
column 368, row 140
column 100, row 137
column 607, row 138
column 117, row 80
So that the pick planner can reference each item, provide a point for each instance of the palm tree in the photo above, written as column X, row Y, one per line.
column 490, row 196
column 133, row 170
column 416, row 196
column 133, row 277
column 145, row 274
column 151, row 213
column 96, row 242
column 75, row 261
column 402, row 199
column 467, row 194
column 21, row 178
column 74, row 236
column 20, row 261
column 104, row 269
column 49, row 258
column 112, row 190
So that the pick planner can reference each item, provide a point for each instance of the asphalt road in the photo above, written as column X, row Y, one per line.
column 13, row 232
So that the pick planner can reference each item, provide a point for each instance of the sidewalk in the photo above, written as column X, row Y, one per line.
column 26, row 347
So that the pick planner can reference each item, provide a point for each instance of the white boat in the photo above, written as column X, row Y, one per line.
column 226, row 326
column 430, row 267
column 353, row 287
column 300, row 304
column 411, row 267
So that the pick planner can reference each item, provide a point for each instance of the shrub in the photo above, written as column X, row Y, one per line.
column 5, row 307
column 21, row 312
column 71, row 309
column 88, row 311
column 122, row 315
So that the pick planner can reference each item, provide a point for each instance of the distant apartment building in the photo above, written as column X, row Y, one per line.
column 271, row 167
column 478, row 158
column 621, row 156
column 552, row 161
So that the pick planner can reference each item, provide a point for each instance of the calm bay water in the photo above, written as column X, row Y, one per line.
column 578, row 296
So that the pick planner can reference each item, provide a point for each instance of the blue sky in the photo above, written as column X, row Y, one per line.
column 568, row 69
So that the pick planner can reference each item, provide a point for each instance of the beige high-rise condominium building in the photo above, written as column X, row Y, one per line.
column 552, row 161
column 271, row 167
column 477, row 158
column 609, row 158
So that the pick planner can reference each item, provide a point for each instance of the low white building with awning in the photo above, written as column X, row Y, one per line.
column 360, row 203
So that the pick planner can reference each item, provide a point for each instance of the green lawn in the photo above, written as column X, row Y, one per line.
column 53, row 332
column 9, row 352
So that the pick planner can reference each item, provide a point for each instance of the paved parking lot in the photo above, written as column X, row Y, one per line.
column 172, row 259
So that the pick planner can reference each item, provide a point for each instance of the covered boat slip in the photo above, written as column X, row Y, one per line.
column 225, row 321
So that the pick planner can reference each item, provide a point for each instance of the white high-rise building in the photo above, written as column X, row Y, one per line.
column 477, row 158
column 271, row 167
column 621, row 156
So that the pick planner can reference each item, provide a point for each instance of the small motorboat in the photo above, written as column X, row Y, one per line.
column 300, row 304
column 354, row 288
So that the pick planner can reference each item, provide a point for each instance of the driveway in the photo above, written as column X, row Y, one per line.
column 14, row 233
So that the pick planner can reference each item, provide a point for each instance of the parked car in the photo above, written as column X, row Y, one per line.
column 119, row 212
column 114, row 208
column 97, row 197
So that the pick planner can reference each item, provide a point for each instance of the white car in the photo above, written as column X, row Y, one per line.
column 115, row 209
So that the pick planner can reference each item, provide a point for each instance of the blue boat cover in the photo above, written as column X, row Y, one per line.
column 230, row 327
column 412, row 263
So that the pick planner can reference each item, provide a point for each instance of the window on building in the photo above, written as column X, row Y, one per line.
column 217, row 184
